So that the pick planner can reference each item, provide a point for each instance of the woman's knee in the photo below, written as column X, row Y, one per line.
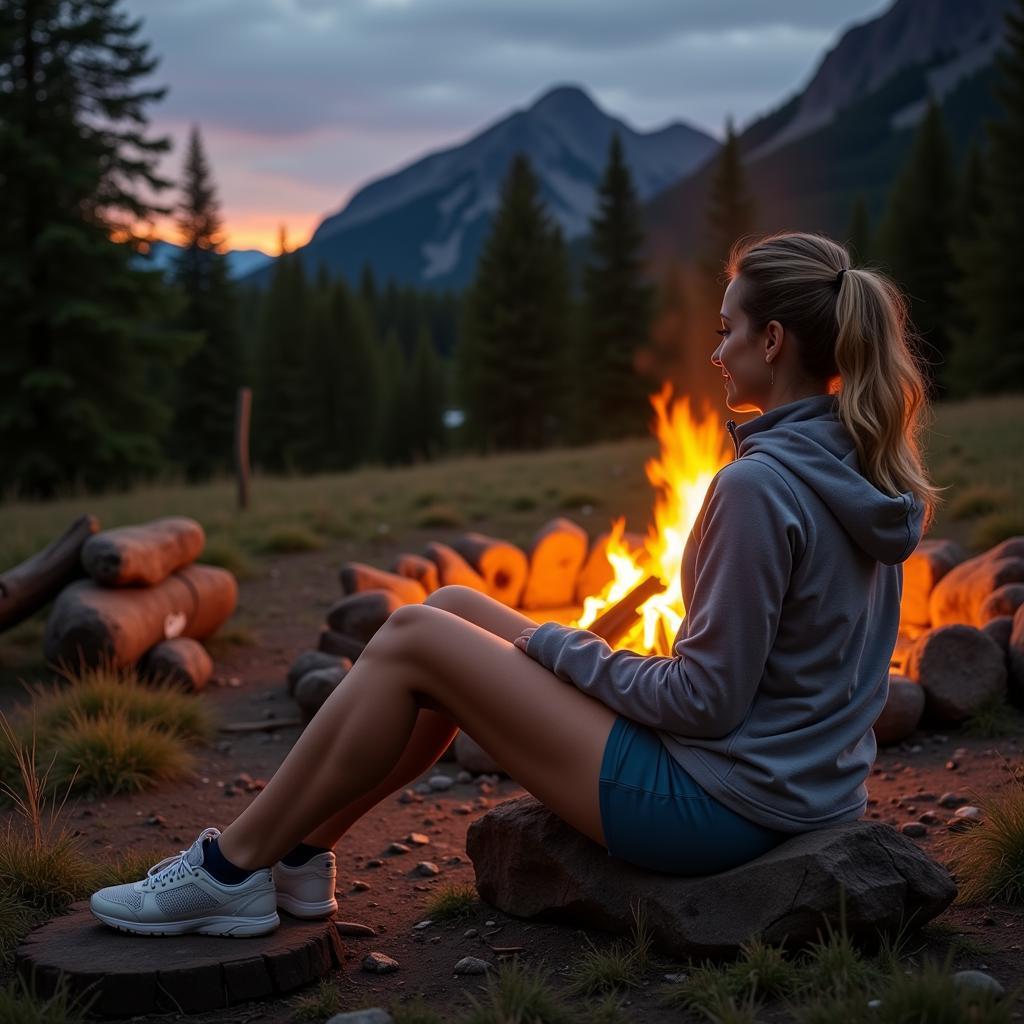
column 451, row 597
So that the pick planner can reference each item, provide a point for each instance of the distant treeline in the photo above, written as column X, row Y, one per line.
column 111, row 372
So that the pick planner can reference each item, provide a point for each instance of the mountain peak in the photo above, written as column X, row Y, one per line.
column 565, row 100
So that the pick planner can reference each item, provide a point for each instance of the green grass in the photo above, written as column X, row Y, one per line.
column 517, row 992
column 988, row 859
column 288, row 539
column 994, row 718
column 452, row 901
column 322, row 1002
column 20, row 1004
column 618, row 966
column 415, row 1011
column 104, row 731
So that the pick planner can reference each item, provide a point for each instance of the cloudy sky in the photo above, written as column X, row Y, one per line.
column 300, row 102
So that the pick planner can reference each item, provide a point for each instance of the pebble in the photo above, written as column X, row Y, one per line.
column 408, row 797
column 930, row 818
column 472, row 965
column 359, row 886
column 398, row 848
column 379, row 963
column 374, row 862
column 951, row 800
column 464, row 776
column 874, row 1004
column 978, row 981
column 952, row 765
column 417, row 839
column 426, row 867
column 974, row 813
column 490, row 924
column 961, row 752
column 157, row 819
column 470, row 933
column 675, row 978
column 421, row 787
column 423, row 924
column 439, row 782
column 914, row 829
column 353, row 928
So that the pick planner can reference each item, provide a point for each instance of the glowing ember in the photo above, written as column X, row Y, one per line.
column 692, row 453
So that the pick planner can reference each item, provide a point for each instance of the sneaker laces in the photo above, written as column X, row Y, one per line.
column 179, row 864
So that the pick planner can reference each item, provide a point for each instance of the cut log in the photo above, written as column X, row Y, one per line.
column 614, row 623
column 358, row 576
column 502, row 565
column 182, row 660
column 28, row 586
column 418, row 568
column 597, row 571
column 556, row 557
column 959, row 595
column 143, row 555
column 361, row 615
column 91, row 624
column 929, row 562
column 452, row 568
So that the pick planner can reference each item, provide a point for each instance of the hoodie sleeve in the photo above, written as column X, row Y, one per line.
column 751, row 531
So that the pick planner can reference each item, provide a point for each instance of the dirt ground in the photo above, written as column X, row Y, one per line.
column 281, row 613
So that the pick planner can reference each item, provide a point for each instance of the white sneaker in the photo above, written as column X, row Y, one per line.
column 307, row 890
column 179, row 895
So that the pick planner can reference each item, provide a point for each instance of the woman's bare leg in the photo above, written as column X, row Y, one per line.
column 435, row 728
column 549, row 735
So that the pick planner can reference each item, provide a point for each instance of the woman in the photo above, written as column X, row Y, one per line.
column 759, row 725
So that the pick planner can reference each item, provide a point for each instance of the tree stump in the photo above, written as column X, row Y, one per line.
column 142, row 974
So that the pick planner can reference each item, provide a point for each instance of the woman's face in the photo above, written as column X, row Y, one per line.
column 740, row 356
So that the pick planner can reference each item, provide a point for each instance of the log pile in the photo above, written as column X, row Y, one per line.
column 961, row 631
column 144, row 601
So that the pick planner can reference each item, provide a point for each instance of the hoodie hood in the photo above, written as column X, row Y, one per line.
column 810, row 440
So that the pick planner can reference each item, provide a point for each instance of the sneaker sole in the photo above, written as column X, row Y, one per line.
column 234, row 927
column 301, row 908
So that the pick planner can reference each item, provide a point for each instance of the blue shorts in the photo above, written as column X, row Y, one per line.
column 655, row 816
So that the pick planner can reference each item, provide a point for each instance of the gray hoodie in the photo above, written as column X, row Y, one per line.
column 792, row 580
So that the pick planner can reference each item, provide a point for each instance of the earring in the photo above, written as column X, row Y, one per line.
column 772, row 365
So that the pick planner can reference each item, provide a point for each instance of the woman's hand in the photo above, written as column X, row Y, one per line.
column 524, row 638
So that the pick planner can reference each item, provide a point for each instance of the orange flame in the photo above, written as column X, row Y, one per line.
column 692, row 452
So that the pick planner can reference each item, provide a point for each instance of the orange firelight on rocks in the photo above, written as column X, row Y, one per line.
column 692, row 452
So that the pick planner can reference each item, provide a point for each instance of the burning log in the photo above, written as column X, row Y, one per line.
column 357, row 577
column 556, row 555
column 614, row 623
column 361, row 615
column 28, row 586
column 929, row 562
column 502, row 565
column 959, row 595
column 181, row 660
column 90, row 623
column 145, row 554
column 452, row 568
column 418, row 568
column 597, row 571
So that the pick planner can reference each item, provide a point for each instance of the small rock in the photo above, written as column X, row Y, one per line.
column 408, row 796
column 359, row 886
column 157, row 819
column 930, row 818
column 353, row 928
column 952, row 765
column 426, row 867
column 951, row 800
column 439, row 782
column 874, row 1004
column 472, row 965
column 398, row 848
column 423, row 924
column 374, row 862
column 379, row 963
column 490, row 924
column 978, row 981
column 961, row 752
column 675, row 978
column 914, row 829
column 417, row 839
column 368, row 1015
column 470, row 933
column 242, row 779
column 464, row 776
column 974, row 813
column 421, row 787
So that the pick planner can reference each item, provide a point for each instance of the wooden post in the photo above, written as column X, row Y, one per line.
column 243, row 409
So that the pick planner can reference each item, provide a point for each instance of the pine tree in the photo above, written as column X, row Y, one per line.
column 914, row 238
column 991, row 291
column 201, row 438
column 730, row 211
column 83, row 323
column 616, row 314
column 514, row 376
column 279, row 405
column 427, row 397
column 395, row 439
column 858, row 233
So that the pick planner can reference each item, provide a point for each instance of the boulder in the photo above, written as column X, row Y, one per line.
column 1015, row 656
column 904, row 705
column 530, row 863
column 1005, row 600
column 959, row 667
column 182, row 660
column 959, row 595
column 307, row 661
column 315, row 687
column 471, row 756
column 929, row 562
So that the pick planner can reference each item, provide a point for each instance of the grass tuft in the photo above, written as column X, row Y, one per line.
column 439, row 515
column 21, row 1004
column 976, row 501
column 518, row 993
column 452, row 901
column 323, row 1002
column 988, row 860
column 415, row 1011
column 994, row 528
column 227, row 554
column 994, row 718
column 288, row 539
column 618, row 966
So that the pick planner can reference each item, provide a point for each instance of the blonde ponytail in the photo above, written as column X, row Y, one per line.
column 855, row 329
